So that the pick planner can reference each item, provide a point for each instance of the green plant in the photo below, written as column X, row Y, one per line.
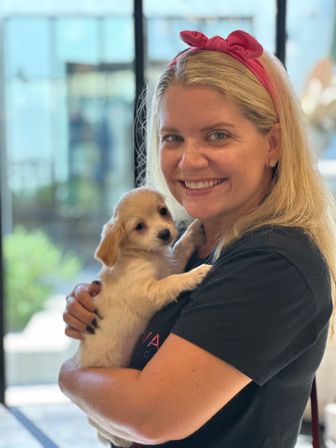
column 32, row 263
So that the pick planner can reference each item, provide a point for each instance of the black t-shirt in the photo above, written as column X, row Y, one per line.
column 264, row 308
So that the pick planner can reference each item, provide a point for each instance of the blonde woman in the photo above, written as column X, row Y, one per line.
column 231, row 364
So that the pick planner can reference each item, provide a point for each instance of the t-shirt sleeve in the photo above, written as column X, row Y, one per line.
column 254, row 310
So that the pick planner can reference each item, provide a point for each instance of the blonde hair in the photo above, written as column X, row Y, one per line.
column 298, row 197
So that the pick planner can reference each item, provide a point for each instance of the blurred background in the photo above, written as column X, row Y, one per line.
column 67, row 98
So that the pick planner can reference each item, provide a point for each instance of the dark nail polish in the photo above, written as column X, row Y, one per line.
column 94, row 323
column 89, row 329
column 96, row 282
column 97, row 313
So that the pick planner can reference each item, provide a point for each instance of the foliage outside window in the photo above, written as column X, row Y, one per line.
column 33, row 263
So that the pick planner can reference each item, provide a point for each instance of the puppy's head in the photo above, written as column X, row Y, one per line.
column 141, row 221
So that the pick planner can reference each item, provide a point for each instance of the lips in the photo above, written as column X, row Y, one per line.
column 201, row 184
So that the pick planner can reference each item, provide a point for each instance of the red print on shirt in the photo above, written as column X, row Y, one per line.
column 152, row 340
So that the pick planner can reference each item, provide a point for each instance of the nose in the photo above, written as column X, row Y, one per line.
column 193, row 157
column 165, row 236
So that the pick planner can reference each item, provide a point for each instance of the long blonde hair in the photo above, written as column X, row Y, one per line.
column 298, row 197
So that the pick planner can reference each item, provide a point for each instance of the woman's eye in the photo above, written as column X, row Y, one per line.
column 218, row 136
column 171, row 138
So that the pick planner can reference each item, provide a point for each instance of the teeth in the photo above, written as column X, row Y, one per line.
column 204, row 184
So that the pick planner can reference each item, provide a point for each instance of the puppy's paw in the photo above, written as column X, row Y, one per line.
column 121, row 442
column 195, row 233
column 198, row 274
column 104, row 439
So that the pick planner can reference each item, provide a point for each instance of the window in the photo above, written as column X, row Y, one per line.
column 311, row 65
column 69, row 103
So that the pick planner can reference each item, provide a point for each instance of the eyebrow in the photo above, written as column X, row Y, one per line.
column 218, row 125
column 205, row 129
column 170, row 130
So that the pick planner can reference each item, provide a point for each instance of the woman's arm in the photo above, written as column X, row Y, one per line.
column 178, row 391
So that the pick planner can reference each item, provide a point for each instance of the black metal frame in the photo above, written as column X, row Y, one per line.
column 281, row 32
column 139, row 69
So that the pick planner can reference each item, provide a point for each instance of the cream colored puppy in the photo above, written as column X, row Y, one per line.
column 142, row 272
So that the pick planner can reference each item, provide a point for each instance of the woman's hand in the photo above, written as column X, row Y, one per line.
column 80, row 314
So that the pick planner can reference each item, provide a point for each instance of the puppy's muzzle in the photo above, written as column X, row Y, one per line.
column 165, row 236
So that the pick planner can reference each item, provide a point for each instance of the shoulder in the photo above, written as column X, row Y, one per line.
column 271, row 265
column 286, row 241
column 273, row 269
column 293, row 246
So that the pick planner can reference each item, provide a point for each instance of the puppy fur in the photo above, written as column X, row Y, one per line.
column 142, row 272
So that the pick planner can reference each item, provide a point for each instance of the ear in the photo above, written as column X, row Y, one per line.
column 112, row 237
column 274, row 145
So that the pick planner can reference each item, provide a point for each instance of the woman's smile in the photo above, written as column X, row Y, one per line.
column 201, row 185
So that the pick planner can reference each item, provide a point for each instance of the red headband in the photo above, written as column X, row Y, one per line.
column 239, row 44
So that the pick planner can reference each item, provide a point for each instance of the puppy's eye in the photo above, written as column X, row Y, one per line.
column 139, row 226
column 163, row 211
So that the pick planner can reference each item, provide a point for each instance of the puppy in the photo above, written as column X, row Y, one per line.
column 141, row 274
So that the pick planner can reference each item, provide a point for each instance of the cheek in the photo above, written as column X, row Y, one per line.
column 166, row 164
column 255, row 176
column 248, row 174
column 161, row 159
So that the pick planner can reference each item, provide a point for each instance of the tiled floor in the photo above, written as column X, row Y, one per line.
column 64, row 424
column 61, row 422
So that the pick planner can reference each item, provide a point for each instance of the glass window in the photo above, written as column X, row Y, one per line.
column 166, row 31
column 77, row 40
column 213, row 17
column 311, row 64
column 66, row 157
column 68, row 103
column 303, row 49
column 27, row 43
column 118, row 40
column 29, row 108
column 65, row 7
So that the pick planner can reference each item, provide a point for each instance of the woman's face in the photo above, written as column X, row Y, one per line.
column 215, row 161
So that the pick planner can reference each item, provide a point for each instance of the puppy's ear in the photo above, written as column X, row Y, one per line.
column 112, row 237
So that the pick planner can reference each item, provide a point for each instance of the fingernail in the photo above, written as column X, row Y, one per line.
column 97, row 313
column 94, row 323
column 96, row 282
column 89, row 329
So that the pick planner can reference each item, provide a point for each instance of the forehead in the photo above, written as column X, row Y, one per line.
column 201, row 104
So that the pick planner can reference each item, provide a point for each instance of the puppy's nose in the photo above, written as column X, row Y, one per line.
column 164, row 235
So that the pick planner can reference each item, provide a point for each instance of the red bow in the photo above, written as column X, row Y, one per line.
column 238, row 43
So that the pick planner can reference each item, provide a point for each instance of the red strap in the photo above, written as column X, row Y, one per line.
column 314, row 415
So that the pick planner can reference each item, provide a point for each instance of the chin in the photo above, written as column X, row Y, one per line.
column 200, row 213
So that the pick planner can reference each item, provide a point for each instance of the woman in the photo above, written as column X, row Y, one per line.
column 230, row 365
